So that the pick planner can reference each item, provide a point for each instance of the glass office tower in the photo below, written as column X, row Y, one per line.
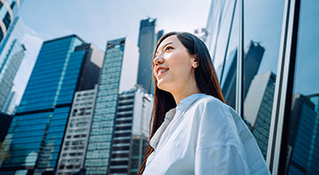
column 286, row 31
column 303, row 144
column 11, row 55
column 5, row 121
column 119, row 73
column 38, row 127
column 261, row 36
column 148, row 37
column 9, row 106
column 8, row 9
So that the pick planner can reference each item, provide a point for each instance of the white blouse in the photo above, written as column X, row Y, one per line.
column 202, row 135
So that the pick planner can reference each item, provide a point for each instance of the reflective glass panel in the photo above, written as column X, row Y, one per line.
column 303, row 144
column 262, row 33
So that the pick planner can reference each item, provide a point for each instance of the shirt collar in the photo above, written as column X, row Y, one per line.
column 188, row 100
column 156, row 137
column 169, row 116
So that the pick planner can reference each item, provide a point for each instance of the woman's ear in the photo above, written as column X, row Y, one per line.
column 195, row 64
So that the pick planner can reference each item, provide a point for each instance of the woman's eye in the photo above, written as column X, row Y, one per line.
column 168, row 48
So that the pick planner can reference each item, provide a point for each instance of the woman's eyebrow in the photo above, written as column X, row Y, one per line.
column 168, row 44
column 164, row 46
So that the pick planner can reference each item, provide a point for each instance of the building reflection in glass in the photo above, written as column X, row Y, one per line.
column 303, row 133
column 302, row 157
column 252, row 58
column 262, row 32
column 258, row 108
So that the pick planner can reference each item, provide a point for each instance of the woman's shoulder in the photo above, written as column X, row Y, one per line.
column 212, row 107
column 214, row 116
column 211, row 101
column 215, row 108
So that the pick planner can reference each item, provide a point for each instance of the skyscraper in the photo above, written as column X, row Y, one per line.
column 11, row 55
column 148, row 37
column 290, row 42
column 5, row 121
column 313, row 159
column 131, row 132
column 8, row 9
column 303, row 152
column 9, row 105
column 119, row 73
column 37, row 129
column 258, row 109
column 72, row 154
column 252, row 59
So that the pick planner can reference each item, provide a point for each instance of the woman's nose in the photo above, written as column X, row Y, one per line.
column 158, row 60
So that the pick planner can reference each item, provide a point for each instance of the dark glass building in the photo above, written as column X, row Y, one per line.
column 252, row 59
column 5, row 121
column 303, row 154
column 147, row 40
column 63, row 66
column 285, row 29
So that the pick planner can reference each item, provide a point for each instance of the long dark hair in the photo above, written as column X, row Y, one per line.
column 205, row 76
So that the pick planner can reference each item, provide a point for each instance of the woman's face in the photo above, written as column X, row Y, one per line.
column 173, row 66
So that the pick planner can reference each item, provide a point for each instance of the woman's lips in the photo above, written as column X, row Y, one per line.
column 160, row 71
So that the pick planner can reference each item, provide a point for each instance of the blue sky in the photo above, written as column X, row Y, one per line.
column 98, row 21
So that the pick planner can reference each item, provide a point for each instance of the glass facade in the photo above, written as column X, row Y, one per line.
column 148, row 37
column 9, row 69
column 26, row 140
column 135, row 155
column 261, row 38
column 50, row 147
column 109, row 140
column 278, row 86
column 139, row 148
column 53, row 79
column 258, row 108
column 302, row 147
column 38, row 128
column 5, row 121
column 8, row 9
column 11, row 55
column 120, row 160
column 100, row 140
column 9, row 106
column 130, row 140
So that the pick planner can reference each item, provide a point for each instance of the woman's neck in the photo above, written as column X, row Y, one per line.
column 185, row 92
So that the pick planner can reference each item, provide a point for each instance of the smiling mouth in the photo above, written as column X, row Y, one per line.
column 161, row 71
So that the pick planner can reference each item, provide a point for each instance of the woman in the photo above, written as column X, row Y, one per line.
column 193, row 131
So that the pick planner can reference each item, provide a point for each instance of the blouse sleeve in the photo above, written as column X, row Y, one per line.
column 219, row 149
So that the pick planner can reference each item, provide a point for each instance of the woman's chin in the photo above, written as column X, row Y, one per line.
column 162, row 87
